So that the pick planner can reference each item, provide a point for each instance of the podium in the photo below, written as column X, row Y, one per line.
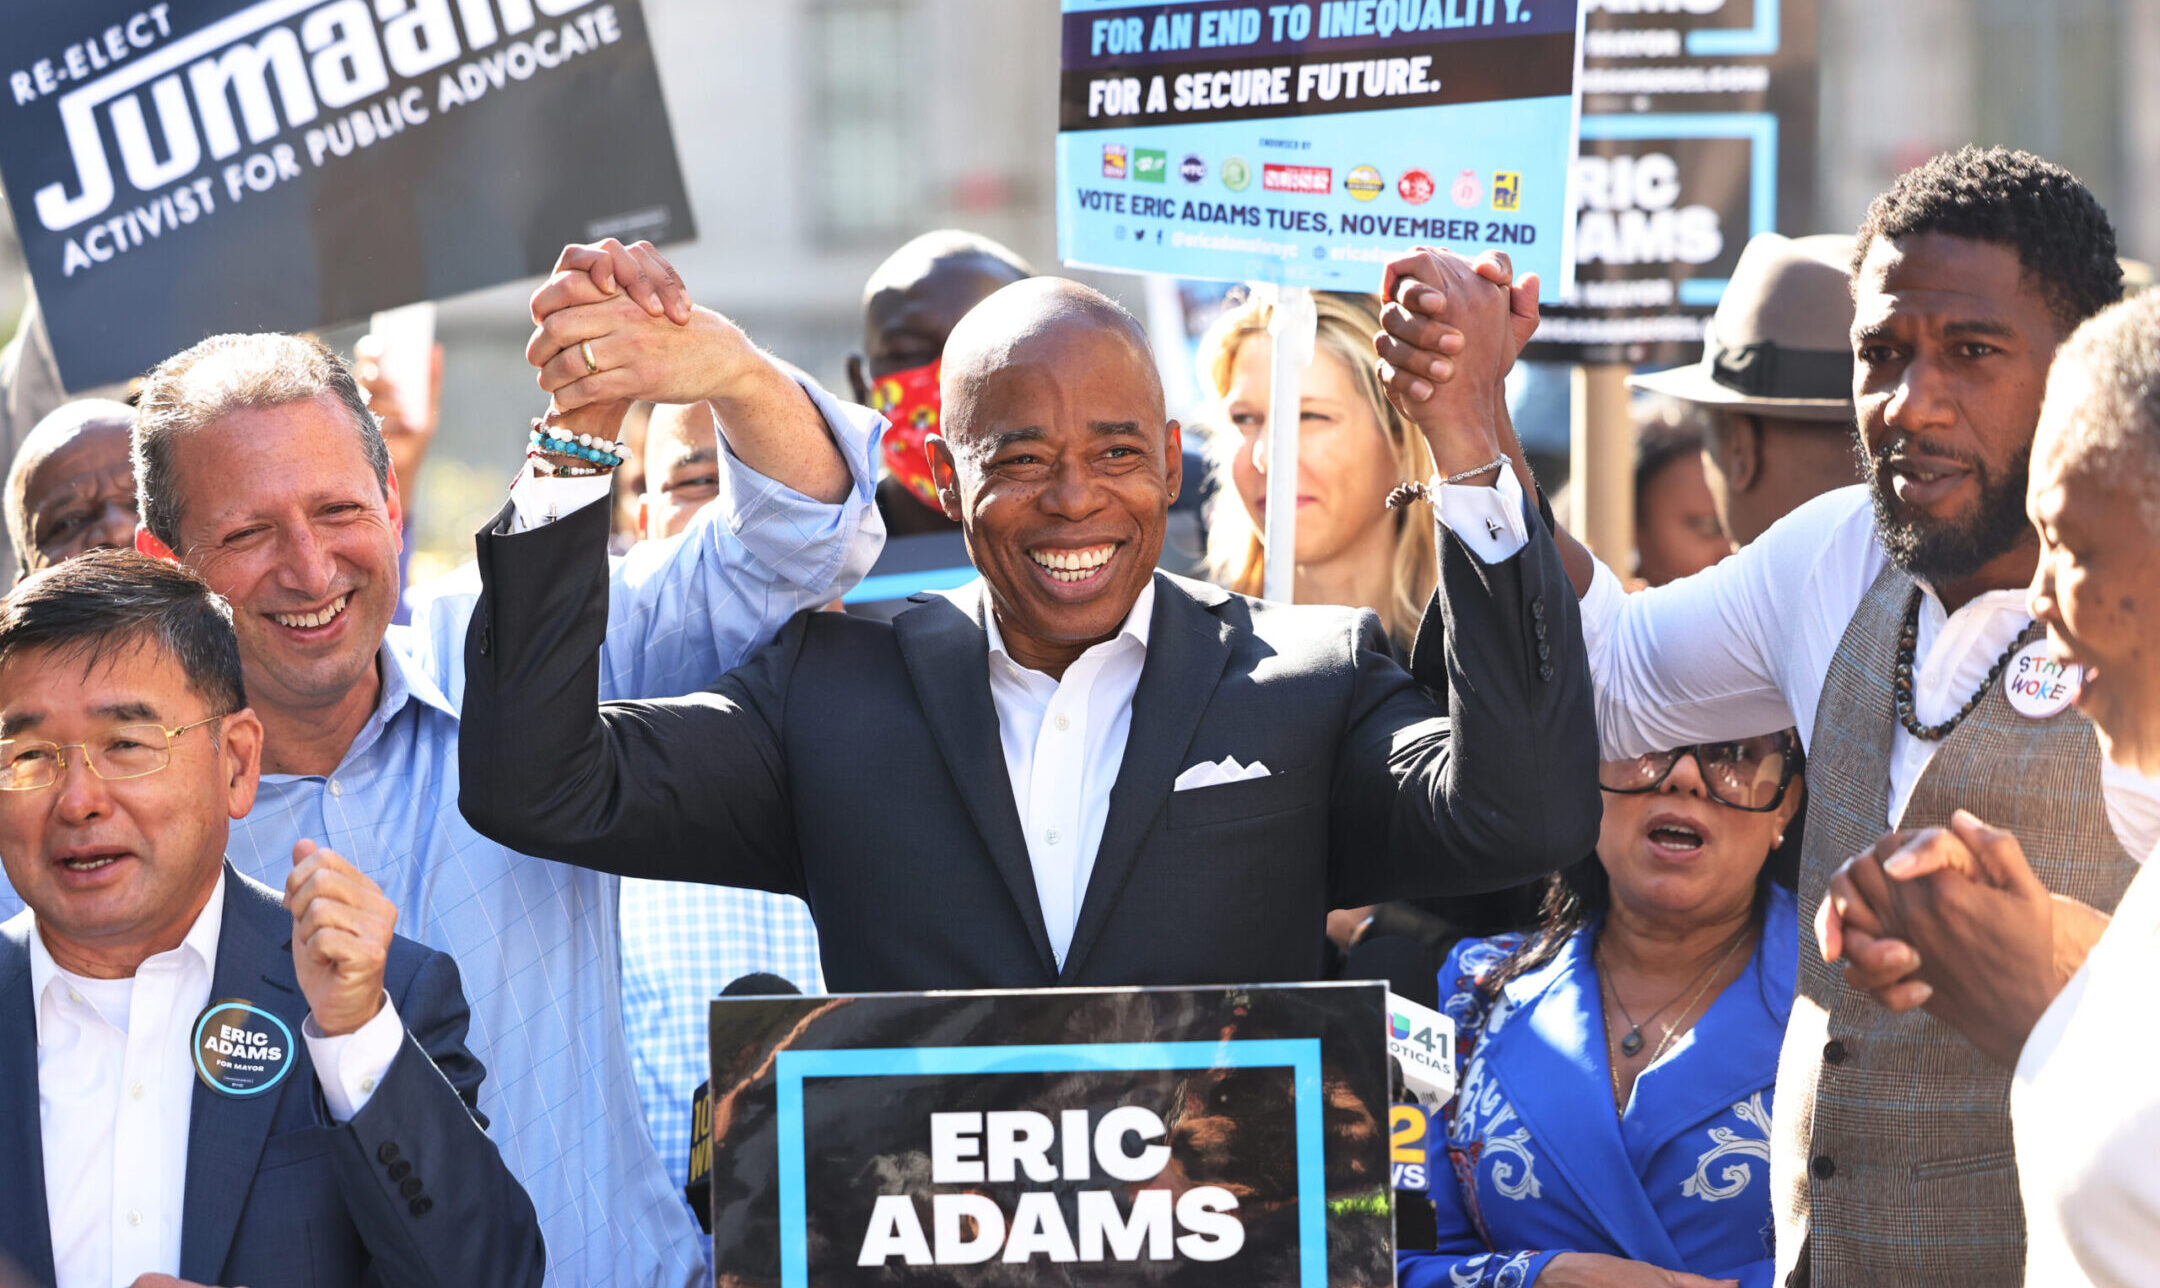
column 1171, row 1137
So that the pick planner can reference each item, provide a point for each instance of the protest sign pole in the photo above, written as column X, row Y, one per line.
column 1601, row 462
column 1292, row 324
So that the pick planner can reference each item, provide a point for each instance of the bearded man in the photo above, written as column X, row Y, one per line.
column 1889, row 623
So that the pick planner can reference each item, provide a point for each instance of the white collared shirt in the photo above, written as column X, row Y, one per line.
column 116, row 1085
column 1065, row 739
column 541, row 499
column 1744, row 647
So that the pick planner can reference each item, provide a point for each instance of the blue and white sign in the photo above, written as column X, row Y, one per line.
column 1307, row 143
column 1098, row 1138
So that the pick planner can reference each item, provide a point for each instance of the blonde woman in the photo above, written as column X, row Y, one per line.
column 1353, row 450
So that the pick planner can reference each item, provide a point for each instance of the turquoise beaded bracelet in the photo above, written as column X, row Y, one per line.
column 584, row 447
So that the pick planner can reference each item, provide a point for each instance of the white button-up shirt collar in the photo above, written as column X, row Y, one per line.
column 1064, row 741
column 115, row 1087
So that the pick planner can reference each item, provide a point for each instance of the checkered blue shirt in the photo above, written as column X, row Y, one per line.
column 682, row 944
column 536, row 941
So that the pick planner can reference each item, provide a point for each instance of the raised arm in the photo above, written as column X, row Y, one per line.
column 685, row 609
column 1693, row 661
column 795, row 524
column 395, row 1077
column 686, row 789
column 1506, row 789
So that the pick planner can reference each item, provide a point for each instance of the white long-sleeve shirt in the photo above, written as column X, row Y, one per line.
column 1743, row 648
column 2086, row 1111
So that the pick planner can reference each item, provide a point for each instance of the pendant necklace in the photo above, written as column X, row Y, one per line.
column 1632, row 1043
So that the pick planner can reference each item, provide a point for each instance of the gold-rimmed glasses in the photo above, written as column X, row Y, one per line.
column 123, row 751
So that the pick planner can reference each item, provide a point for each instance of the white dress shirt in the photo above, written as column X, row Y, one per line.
column 2085, row 1108
column 116, row 1083
column 1064, row 739
column 1743, row 648
column 536, row 498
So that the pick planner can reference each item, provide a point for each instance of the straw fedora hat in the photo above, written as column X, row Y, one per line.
column 1779, row 344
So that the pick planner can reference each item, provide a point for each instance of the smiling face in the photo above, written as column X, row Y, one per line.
column 118, row 870
column 2099, row 575
column 1675, row 854
column 80, row 496
column 1345, row 465
column 1952, row 341
column 281, row 513
column 1057, row 462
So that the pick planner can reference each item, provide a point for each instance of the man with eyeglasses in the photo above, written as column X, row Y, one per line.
column 199, row 1075
column 261, row 469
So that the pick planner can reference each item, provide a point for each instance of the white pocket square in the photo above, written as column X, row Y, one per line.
column 1209, row 773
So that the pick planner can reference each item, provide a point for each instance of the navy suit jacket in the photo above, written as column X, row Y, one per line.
column 859, row 765
column 411, row 1191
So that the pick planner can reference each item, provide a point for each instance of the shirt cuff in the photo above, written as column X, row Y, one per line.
column 1487, row 519
column 541, row 501
column 350, row 1066
column 821, row 548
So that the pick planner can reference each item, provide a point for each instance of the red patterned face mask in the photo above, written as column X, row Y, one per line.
column 909, row 399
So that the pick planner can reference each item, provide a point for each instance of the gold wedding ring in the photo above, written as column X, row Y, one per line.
column 592, row 365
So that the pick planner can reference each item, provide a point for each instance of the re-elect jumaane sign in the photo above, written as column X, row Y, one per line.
column 182, row 168
column 1307, row 142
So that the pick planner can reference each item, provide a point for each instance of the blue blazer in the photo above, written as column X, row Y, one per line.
column 411, row 1191
column 1536, row 1163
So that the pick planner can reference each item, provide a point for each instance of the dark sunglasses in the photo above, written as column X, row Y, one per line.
column 1749, row 774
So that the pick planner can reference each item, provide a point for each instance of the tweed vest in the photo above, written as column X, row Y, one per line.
column 1892, row 1163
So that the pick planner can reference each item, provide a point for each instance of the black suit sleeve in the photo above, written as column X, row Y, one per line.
column 426, row 1189
column 1505, row 789
column 692, row 788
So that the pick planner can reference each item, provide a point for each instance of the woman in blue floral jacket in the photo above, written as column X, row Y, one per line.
column 1611, row 1125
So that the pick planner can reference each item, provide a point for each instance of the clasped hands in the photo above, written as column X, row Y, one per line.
column 1954, row 920
column 626, row 310
column 1450, row 331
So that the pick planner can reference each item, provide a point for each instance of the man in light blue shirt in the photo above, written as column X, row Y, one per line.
column 683, row 943
column 260, row 468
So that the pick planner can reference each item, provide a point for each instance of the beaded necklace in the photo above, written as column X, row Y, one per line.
column 1908, row 643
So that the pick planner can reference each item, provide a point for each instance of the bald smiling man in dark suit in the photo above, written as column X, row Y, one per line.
column 1077, row 770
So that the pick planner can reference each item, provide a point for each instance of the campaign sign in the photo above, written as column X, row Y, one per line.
column 1174, row 1137
column 1308, row 142
column 188, row 167
column 1698, row 132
